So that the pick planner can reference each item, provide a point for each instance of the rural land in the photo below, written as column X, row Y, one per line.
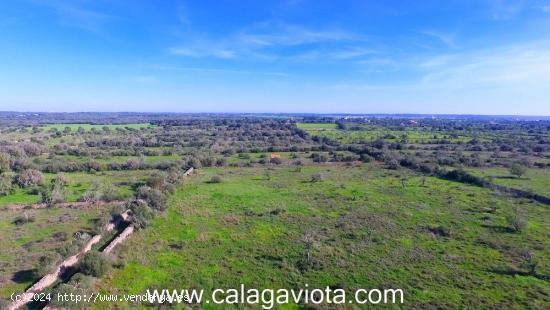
column 453, row 210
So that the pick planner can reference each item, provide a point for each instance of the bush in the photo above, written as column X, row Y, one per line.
column 216, row 179
column 317, row 177
column 6, row 185
column 462, row 176
column 530, row 262
column 30, row 177
column 517, row 222
column 157, row 180
column 141, row 214
column 517, row 170
column 392, row 164
column 5, row 162
column 155, row 198
column 319, row 157
column 68, row 290
column 276, row 160
column 92, row 194
column 72, row 247
column 23, row 219
column 47, row 264
column 94, row 264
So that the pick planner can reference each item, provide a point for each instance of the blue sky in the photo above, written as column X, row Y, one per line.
column 466, row 57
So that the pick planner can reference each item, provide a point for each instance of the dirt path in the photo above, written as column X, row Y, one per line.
column 69, row 262
column 51, row 278
column 120, row 238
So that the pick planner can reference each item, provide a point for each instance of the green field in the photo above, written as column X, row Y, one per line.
column 316, row 126
column 78, row 183
column 368, row 231
column 367, row 133
column 534, row 180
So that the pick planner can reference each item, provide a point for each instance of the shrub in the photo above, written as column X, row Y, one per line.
column 392, row 164
column 23, row 219
column 30, row 177
column 462, row 176
column 52, row 195
column 109, row 193
column 69, row 289
column 517, row 170
column 216, row 179
column 5, row 162
column 46, row 264
column 92, row 194
column 440, row 231
column 155, row 198
column 6, row 185
column 72, row 247
column 141, row 214
column 317, row 177
column 95, row 264
column 517, row 221
column 319, row 157
column 276, row 160
column 530, row 262
column 365, row 158
column 157, row 180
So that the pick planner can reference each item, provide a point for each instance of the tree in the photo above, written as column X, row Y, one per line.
column 30, row 177
column 95, row 264
column 517, row 170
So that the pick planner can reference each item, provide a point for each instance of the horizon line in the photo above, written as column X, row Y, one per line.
column 280, row 113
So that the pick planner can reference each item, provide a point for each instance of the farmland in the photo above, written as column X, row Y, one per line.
column 454, row 212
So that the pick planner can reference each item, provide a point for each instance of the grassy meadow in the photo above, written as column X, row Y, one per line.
column 370, row 230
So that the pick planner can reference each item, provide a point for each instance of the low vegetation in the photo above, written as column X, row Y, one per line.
column 453, row 211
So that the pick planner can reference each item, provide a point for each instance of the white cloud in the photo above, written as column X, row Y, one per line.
column 445, row 38
column 216, row 70
column 73, row 13
column 201, row 52
column 501, row 80
column 519, row 66
column 260, row 41
column 275, row 33
column 506, row 9
column 140, row 79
